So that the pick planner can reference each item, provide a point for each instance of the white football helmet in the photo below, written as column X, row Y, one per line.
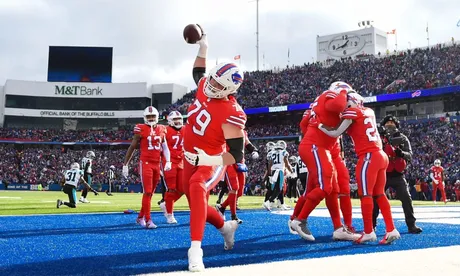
column 112, row 167
column 227, row 79
column 437, row 162
column 355, row 100
column 90, row 154
column 270, row 146
column 75, row 166
column 293, row 159
column 281, row 145
column 175, row 119
column 151, row 111
column 339, row 86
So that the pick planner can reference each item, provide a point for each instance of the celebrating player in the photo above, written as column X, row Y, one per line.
column 70, row 183
column 215, row 120
column 315, row 150
column 151, row 138
column 173, row 177
column 87, row 163
column 437, row 176
column 371, row 166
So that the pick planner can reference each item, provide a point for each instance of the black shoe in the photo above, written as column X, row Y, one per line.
column 161, row 201
column 415, row 229
column 234, row 217
column 109, row 194
column 58, row 203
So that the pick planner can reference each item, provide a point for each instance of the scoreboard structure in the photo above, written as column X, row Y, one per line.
column 367, row 41
column 80, row 64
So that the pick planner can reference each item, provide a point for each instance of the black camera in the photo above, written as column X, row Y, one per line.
column 392, row 137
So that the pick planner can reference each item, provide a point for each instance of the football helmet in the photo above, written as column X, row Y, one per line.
column 354, row 100
column 437, row 162
column 281, row 145
column 270, row 146
column 112, row 167
column 227, row 79
column 151, row 111
column 339, row 86
column 175, row 119
column 293, row 159
column 75, row 166
column 90, row 154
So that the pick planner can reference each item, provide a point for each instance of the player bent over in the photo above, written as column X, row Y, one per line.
column 215, row 120
column 359, row 122
column 70, row 182
column 151, row 137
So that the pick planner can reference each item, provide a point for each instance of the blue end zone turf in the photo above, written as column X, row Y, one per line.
column 112, row 244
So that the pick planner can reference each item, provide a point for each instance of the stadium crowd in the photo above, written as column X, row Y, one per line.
column 408, row 70
column 431, row 139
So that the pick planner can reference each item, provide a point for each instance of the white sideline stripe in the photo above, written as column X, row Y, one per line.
column 11, row 197
column 403, row 263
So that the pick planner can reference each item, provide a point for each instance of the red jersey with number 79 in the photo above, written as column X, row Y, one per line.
column 151, row 140
column 205, row 118
column 363, row 130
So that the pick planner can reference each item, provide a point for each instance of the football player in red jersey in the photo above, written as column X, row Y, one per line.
column 235, row 178
column 214, row 120
column 371, row 167
column 315, row 150
column 342, row 177
column 151, row 137
column 173, row 177
column 437, row 176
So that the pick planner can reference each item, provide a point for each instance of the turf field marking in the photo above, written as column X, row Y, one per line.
column 11, row 197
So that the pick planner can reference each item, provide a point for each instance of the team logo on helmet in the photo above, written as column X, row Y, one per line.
column 236, row 78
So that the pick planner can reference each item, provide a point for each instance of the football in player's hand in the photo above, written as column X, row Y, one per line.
column 192, row 33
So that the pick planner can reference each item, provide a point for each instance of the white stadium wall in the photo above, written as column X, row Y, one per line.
column 76, row 89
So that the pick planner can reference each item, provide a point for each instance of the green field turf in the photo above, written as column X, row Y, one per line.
column 35, row 202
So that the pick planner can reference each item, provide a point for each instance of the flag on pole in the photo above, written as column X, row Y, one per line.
column 237, row 57
column 392, row 32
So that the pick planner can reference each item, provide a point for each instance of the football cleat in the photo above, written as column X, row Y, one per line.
column 390, row 237
column 163, row 207
column 301, row 227
column 170, row 219
column 150, row 225
column 267, row 205
column 59, row 203
column 195, row 259
column 367, row 237
column 228, row 232
column 291, row 230
column 141, row 222
column 235, row 218
column 343, row 234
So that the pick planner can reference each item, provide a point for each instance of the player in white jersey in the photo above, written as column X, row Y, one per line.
column 278, row 163
column 70, row 183
column 86, row 165
column 111, row 179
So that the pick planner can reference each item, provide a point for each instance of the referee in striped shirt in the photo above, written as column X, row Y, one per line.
column 111, row 175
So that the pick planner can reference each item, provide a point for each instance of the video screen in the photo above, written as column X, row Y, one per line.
column 80, row 64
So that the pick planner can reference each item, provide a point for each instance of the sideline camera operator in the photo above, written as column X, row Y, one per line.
column 397, row 146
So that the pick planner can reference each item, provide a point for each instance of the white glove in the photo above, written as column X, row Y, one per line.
column 436, row 181
column 167, row 166
column 203, row 42
column 203, row 159
column 125, row 171
column 254, row 155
